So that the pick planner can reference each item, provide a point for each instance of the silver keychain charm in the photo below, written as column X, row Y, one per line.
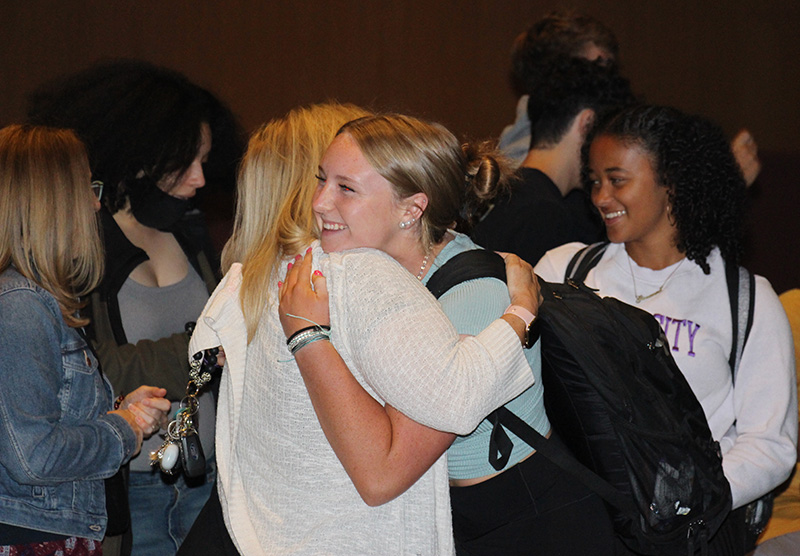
column 169, row 453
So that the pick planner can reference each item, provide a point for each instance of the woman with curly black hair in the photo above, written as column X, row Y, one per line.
column 154, row 140
column 670, row 193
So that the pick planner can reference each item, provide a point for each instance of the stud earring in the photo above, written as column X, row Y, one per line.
column 407, row 223
column 670, row 216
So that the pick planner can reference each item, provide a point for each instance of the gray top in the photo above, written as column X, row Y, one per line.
column 150, row 313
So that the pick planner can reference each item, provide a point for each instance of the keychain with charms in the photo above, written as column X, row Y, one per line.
column 181, row 442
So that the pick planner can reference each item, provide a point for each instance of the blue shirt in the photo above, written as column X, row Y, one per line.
column 471, row 306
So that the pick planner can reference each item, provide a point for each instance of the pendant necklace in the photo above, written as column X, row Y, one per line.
column 640, row 298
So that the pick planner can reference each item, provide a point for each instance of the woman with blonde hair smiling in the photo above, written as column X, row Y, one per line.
column 400, row 184
column 281, row 486
column 60, row 432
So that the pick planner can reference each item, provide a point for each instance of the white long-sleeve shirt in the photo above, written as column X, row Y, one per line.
column 282, row 489
column 754, row 421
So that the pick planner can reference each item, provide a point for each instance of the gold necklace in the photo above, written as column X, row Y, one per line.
column 640, row 298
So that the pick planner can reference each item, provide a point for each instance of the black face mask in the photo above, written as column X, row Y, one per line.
column 154, row 208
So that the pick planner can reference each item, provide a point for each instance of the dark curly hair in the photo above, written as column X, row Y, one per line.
column 559, row 33
column 137, row 118
column 569, row 85
column 693, row 159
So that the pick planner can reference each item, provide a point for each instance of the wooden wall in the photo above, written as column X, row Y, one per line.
column 734, row 61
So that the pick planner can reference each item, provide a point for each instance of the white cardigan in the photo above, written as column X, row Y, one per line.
column 283, row 491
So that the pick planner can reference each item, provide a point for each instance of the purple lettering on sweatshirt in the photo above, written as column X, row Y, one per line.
column 678, row 324
column 692, row 328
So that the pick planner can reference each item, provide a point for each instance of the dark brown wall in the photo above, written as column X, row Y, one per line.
column 735, row 61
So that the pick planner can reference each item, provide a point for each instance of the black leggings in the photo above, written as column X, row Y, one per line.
column 532, row 508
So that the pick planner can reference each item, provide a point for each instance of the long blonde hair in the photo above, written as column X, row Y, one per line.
column 49, row 232
column 275, row 189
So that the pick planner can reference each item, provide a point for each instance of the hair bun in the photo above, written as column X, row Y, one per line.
column 486, row 177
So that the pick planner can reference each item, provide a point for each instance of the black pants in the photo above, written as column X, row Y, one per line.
column 532, row 508
column 208, row 534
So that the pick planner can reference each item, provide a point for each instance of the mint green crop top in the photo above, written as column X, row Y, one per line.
column 471, row 306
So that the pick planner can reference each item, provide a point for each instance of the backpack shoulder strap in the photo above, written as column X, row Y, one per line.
column 562, row 458
column 742, row 296
column 480, row 263
column 469, row 265
column 585, row 260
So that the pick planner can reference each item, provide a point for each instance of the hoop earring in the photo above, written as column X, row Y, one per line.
column 407, row 223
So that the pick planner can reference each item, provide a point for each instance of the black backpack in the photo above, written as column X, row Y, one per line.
column 741, row 285
column 618, row 400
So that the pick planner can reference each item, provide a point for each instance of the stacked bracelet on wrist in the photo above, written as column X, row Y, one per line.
column 308, row 335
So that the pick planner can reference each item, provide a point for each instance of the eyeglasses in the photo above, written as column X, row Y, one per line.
column 97, row 189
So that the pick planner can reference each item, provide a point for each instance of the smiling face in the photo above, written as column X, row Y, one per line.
column 353, row 204
column 625, row 190
column 193, row 178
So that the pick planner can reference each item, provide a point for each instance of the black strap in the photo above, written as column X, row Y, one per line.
column 585, row 260
column 742, row 295
column 563, row 459
column 500, row 445
column 469, row 265
column 480, row 263
column 741, row 292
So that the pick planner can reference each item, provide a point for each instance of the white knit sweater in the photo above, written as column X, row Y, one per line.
column 283, row 491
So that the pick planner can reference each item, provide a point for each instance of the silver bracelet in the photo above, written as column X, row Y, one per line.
column 309, row 340
column 307, row 336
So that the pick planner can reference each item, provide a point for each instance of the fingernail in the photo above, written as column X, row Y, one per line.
column 317, row 273
column 308, row 250
column 280, row 283
column 289, row 267
column 297, row 257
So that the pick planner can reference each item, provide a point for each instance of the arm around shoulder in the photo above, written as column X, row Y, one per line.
column 407, row 350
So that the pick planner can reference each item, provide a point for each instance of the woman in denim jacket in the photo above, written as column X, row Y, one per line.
column 59, row 437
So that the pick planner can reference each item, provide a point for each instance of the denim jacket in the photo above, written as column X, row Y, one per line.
column 57, row 442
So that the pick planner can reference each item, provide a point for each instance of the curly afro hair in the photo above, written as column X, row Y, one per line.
column 691, row 157
column 137, row 118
